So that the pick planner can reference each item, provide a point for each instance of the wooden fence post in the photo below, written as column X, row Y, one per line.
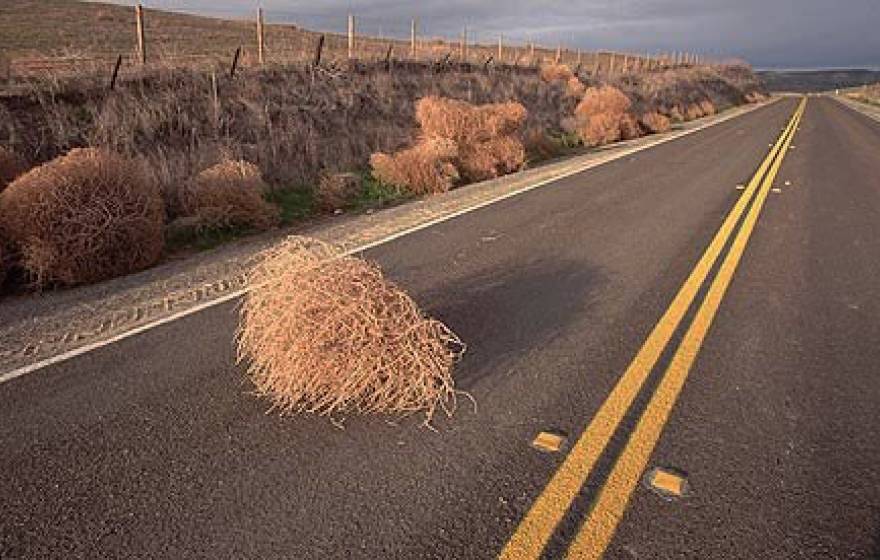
column 463, row 46
column 625, row 63
column 141, row 41
column 234, row 62
column 531, row 53
column 412, row 39
column 558, row 53
column 611, row 65
column 318, row 50
column 261, row 37
column 115, row 72
column 350, row 36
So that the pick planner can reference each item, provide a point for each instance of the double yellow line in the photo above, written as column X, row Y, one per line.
column 531, row 536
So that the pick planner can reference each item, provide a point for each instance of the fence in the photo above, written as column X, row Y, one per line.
column 362, row 40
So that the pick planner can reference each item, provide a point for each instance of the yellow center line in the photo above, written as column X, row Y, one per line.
column 599, row 528
column 537, row 526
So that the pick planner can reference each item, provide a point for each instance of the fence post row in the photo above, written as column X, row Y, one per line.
column 636, row 62
column 141, row 41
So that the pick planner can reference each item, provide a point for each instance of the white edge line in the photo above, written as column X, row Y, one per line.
column 64, row 356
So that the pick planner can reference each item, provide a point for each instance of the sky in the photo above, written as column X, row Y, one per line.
column 766, row 33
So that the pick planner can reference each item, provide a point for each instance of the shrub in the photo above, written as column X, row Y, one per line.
column 707, row 107
column 325, row 333
column 337, row 190
column 693, row 111
column 539, row 145
column 11, row 166
column 556, row 72
column 574, row 87
column 492, row 158
column 459, row 140
column 629, row 127
column 600, row 114
column 230, row 194
column 83, row 217
column 464, row 123
column 654, row 122
column 426, row 168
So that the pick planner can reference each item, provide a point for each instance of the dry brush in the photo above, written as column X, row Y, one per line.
column 329, row 334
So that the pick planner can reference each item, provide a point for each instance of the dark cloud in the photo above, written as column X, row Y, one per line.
column 768, row 33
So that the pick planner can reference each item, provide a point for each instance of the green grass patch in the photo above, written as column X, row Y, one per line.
column 296, row 203
column 376, row 194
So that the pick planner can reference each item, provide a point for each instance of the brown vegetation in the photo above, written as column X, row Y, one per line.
column 229, row 194
column 86, row 216
column 328, row 334
column 11, row 166
column 654, row 122
column 601, row 117
column 426, row 168
column 480, row 142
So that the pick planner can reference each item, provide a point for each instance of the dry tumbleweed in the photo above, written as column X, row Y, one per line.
column 327, row 333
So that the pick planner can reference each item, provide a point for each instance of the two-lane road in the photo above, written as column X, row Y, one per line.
column 152, row 447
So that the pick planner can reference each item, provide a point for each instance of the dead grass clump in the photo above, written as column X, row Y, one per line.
column 328, row 334
column 574, row 87
column 755, row 97
column 11, row 166
column 539, row 145
column 655, row 123
column 492, row 158
column 229, row 194
column 707, row 107
column 83, row 217
column 337, row 190
column 556, row 72
column 693, row 111
column 426, row 168
column 629, row 127
column 464, row 123
column 599, row 114
column 458, row 140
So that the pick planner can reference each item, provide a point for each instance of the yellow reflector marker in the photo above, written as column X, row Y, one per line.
column 667, row 483
column 550, row 442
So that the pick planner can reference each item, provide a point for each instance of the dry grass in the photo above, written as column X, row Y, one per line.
column 655, row 123
column 485, row 136
column 539, row 146
column 84, row 217
column 337, row 190
column 556, row 73
column 230, row 194
column 426, row 168
column 292, row 123
column 328, row 334
column 602, row 116
column 11, row 166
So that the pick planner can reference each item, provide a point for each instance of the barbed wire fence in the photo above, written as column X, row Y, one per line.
column 350, row 39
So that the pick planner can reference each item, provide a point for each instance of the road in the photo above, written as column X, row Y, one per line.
column 762, row 391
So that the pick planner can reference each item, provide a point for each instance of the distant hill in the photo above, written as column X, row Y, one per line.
column 808, row 81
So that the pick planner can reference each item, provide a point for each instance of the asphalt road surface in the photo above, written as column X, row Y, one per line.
column 608, row 306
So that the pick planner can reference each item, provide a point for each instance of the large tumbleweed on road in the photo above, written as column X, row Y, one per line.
column 327, row 333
